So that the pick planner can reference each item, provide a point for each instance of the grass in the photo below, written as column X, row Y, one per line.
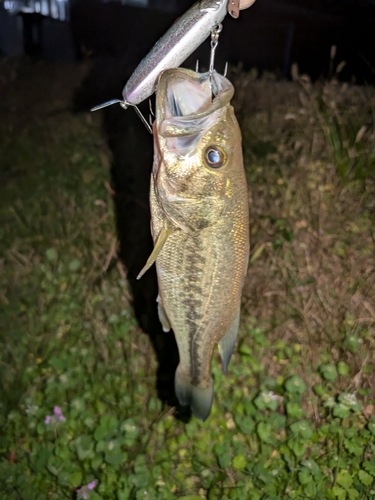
column 295, row 416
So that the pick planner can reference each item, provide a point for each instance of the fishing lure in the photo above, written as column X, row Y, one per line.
column 176, row 45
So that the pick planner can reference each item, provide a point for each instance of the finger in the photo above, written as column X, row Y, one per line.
column 245, row 4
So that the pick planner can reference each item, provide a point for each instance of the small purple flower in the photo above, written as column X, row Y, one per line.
column 58, row 414
column 92, row 485
column 56, row 417
column 83, row 492
column 57, row 411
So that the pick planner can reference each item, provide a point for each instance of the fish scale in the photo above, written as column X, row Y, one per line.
column 200, row 215
column 205, row 289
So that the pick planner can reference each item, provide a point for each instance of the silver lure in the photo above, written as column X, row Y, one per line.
column 176, row 45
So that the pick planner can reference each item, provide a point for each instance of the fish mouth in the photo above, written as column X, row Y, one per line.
column 187, row 101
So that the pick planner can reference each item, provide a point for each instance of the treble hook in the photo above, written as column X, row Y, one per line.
column 124, row 105
column 215, row 32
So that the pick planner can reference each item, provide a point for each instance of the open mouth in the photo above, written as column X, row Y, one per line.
column 185, row 107
column 187, row 97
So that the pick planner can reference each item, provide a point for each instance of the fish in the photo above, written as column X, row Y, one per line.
column 199, row 224
column 174, row 47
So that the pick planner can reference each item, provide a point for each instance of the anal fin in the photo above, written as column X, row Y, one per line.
column 228, row 341
column 162, row 238
column 163, row 318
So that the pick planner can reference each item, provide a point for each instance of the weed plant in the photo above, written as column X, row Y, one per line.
column 294, row 418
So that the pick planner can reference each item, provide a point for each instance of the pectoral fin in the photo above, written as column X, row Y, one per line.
column 162, row 238
column 227, row 343
column 163, row 318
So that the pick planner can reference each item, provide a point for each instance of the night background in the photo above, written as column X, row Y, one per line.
column 87, row 403
column 271, row 37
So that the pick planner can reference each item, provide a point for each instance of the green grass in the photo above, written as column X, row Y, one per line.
column 294, row 418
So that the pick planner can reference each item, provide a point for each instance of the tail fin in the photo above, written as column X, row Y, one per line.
column 198, row 398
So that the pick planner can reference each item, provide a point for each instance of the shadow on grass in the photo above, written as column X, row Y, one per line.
column 132, row 151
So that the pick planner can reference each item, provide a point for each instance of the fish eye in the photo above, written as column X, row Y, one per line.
column 215, row 157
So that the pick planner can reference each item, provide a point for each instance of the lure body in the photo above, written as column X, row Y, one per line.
column 176, row 45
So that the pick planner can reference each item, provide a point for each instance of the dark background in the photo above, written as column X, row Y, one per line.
column 271, row 35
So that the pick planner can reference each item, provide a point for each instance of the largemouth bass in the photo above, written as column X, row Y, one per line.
column 200, row 225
